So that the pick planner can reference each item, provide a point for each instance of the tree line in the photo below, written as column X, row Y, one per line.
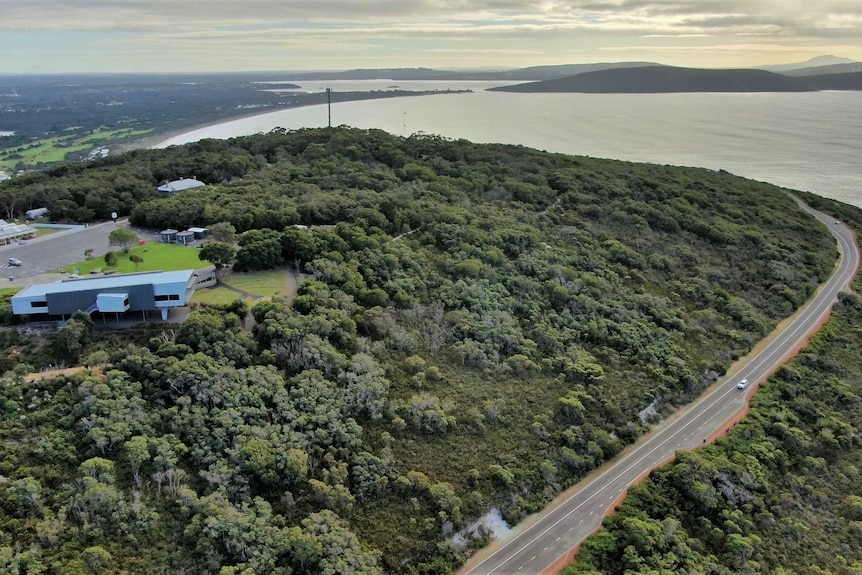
column 779, row 494
column 478, row 326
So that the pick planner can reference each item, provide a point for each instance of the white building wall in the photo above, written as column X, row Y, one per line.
column 179, row 289
column 23, row 305
column 112, row 302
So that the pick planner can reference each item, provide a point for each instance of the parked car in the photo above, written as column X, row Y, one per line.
column 14, row 262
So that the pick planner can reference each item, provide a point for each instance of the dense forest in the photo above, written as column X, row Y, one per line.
column 479, row 326
column 780, row 494
column 44, row 118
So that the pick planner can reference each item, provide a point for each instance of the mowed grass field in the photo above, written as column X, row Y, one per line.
column 215, row 296
column 54, row 149
column 170, row 257
column 263, row 284
column 156, row 256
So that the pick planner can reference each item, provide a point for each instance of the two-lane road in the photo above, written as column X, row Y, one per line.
column 551, row 536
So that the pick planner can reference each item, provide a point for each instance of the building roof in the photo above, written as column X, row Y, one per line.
column 106, row 282
column 198, row 230
column 168, row 232
column 14, row 230
column 180, row 185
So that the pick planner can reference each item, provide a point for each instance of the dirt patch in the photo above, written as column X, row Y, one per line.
column 293, row 279
column 95, row 370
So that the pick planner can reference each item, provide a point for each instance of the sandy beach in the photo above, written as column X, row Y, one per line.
column 314, row 115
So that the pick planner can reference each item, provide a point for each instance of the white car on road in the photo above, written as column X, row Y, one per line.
column 742, row 384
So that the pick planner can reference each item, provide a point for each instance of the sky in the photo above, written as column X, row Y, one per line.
column 56, row 36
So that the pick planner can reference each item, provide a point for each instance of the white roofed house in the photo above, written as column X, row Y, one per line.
column 10, row 232
column 168, row 189
column 117, row 294
column 199, row 233
column 36, row 213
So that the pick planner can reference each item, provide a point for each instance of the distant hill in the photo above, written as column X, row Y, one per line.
column 815, row 62
column 375, row 74
column 564, row 70
column 822, row 70
column 851, row 81
column 663, row 79
column 656, row 79
column 525, row 74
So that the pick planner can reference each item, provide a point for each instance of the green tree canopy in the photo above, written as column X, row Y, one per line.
column 218, row 253
column 123, row 238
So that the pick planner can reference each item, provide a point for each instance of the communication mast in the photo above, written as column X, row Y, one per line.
column 329, row 105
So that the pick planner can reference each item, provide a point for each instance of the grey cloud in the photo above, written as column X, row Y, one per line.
column 813, row 18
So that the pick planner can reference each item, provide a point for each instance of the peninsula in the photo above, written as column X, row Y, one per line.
column 666, row 79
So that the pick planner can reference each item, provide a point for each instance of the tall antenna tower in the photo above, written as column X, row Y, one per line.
column 329, row 105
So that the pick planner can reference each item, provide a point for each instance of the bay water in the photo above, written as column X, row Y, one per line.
column 808, row 141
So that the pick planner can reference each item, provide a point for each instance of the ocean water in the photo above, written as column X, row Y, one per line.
column 809, row 141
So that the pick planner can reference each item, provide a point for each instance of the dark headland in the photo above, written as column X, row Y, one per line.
column 664, row 79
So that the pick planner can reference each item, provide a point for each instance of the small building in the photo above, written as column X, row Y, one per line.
column 185, row 237
column 121, row 293
column 11, row 232
column 36, row 213
column 169, row 236
column 205, row 278
column 200, row 233
column 170, row 188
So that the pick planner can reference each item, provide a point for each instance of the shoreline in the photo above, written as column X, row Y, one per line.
column 159, row 140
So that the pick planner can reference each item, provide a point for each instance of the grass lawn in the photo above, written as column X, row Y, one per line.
column 54, row 149
column 6, row 292
column 216, row 295
column 47, row 231
column 164, row 257
column 265, row 283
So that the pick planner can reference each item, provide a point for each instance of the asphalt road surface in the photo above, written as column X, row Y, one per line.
column 538, row 546
column 48, row 254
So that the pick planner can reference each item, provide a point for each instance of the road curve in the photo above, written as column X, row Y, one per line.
column 551, row 536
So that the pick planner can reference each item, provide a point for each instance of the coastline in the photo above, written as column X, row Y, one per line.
column 162, row 139
column 153, row 140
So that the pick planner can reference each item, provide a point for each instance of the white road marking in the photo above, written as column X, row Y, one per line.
column 703, row 404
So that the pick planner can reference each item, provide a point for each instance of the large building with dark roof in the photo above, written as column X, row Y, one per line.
column 138, row 292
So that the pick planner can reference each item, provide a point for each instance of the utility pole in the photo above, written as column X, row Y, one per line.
column 404, row 126
column 329, row 105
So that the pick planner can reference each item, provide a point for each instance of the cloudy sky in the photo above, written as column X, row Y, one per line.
column 216, row 35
